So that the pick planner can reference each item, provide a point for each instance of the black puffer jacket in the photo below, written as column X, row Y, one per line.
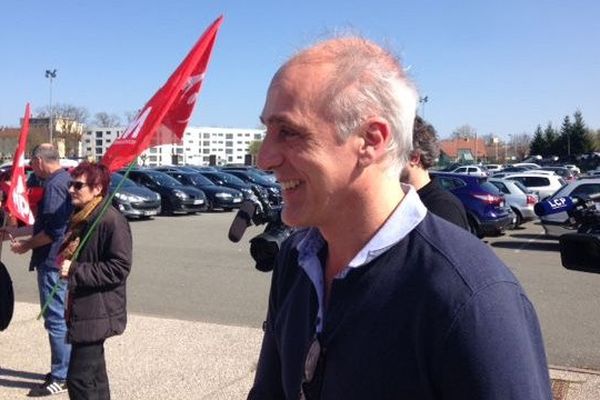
column 97, row 298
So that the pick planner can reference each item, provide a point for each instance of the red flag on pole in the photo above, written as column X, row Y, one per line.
column 164, row 118
column 17, row 201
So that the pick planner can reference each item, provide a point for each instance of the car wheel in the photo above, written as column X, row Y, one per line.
column 474, row 228
column 209, row 205
column 518, row 220
column 167, row 208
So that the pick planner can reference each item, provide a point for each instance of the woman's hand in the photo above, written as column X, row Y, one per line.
column 64, row 269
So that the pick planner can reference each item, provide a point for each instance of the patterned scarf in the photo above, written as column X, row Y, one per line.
column 78, row 221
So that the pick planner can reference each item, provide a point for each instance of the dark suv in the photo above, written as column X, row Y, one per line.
column 486, row 209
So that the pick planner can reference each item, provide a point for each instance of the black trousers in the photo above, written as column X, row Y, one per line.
column 87, row 378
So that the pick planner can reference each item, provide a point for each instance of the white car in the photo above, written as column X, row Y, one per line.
column 518, row 198
column 527, row 165
column 474, row 170
column 542, row 184
column 573, row 168
column 491, row 168
column 558, row 224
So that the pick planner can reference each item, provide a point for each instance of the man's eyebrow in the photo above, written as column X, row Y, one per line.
column 279, row 119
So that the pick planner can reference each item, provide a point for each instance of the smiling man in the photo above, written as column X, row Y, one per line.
column 377, row 298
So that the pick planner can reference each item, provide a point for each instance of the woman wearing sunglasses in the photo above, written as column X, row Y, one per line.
column 97, row 274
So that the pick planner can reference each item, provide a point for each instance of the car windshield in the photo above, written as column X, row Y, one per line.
column 199, row 179
column 163, row 179
column 228, row 178
column 521, row 187
column 116, row 178
column 491, row 188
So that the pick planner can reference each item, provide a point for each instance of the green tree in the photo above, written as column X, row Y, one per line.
column 538, row 145
column 551, row 138
column 254, row 148
column 580, row 139
column 564, row 138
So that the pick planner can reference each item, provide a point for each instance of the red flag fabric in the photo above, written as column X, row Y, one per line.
column 17, row 202
column 164, row 118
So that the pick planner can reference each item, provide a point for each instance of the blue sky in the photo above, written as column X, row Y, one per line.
column 501, row 67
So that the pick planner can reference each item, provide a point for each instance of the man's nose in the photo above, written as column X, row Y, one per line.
column 269, row 155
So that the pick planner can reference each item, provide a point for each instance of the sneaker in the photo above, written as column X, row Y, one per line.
column 49, row 387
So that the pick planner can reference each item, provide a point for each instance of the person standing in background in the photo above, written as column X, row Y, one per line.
column 416, row 173
column 48, row 234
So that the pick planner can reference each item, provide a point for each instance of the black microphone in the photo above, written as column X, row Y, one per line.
column 560, row 204
column 242, row 220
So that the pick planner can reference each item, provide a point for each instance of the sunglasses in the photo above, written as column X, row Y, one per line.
column 77, row 185
column 314, row 366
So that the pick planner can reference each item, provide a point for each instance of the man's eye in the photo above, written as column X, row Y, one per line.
column 288, row 133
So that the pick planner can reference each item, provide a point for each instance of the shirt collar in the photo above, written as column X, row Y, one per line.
column 407, row 215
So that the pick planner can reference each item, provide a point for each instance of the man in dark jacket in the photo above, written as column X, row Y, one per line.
column 437, row 200
column 48, row 234
column 377, row 298
column 97, row 276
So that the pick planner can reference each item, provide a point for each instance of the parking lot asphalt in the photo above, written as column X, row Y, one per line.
column 211, row 352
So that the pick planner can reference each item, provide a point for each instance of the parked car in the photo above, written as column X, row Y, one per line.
column 565, row 173
column 474, row 170
column 492, row 168
column 510, row 170
column 175, row 197
column 231, row 181
column 574, row 168
column 527, row 165
column 265, row 174
column 484, row 204
column 216, row 196
column 133, row 200
column 251, row 177
column 543, row 185
column 518, row 198
column 558, row 224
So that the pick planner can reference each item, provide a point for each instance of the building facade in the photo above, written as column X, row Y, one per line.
column 199, row 144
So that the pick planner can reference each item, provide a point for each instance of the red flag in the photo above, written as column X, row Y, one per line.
column 17, row 202
column 164, row 118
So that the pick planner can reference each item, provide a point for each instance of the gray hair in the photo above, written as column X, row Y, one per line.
column 46, row 152
column 366, row 81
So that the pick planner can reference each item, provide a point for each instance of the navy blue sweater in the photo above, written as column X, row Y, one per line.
column 438, row 316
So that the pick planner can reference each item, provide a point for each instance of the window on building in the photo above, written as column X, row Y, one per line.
column 229, row 143
column 152, row 150
column 98, row 142
column 257, row 136
column 88, row 140
column 246, row 134
column 206, row 135
column 229, row 136
column 107, row 140
column 152, row 159
column 228, row 151
column 179, row 150
column 98, row 151
column 99, row 134
column 205, row 151
column 206, row 143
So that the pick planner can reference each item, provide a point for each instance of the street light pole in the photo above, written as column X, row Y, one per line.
column 423, row 100
column 50, row 74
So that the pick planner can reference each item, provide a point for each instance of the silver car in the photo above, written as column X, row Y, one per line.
column 559, row 224
column 518, row 198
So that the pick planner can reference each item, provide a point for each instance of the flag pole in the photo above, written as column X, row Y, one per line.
column 89, row 233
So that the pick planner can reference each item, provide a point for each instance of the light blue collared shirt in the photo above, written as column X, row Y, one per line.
column 407, row 215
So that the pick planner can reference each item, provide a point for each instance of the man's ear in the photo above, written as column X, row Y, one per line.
column 375, row 136
column 414, row 158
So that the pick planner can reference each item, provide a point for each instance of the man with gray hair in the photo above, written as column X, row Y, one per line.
column 373, row 297
column 48, row 234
